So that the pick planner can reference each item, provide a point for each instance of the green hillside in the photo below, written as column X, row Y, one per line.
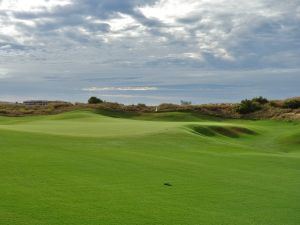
column 91, row 168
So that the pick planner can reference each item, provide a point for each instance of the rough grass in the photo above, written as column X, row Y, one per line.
column 85, row 168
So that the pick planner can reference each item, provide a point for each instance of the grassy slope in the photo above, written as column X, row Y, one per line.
column 85, row 168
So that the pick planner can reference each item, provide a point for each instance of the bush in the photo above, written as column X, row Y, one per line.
column 185, row 102
column 261, row 100
column 94, row 100
column 141, row 105
column 274, row 103
column 292, row 104
column 168, row 107
column 248, row 106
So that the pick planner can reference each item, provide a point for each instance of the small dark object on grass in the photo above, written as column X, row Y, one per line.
column 168, row 184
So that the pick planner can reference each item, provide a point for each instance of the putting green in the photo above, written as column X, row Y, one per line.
column 83, row 167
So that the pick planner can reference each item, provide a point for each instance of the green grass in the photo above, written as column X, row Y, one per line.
column 107, row 168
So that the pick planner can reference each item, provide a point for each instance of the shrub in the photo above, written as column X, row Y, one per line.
column 185, row 102
column 141, row 105
column 260, row 100
column 94, row 100
column 274, row 103
column 248, row 106
column 168, row 107
column 292, row 104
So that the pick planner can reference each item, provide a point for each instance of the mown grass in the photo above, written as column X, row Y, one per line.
column 85, row 168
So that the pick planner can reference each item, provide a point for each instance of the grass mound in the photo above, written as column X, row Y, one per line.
column 293, row 139
column 202, row 130
column 116, row 114
column 227, row 131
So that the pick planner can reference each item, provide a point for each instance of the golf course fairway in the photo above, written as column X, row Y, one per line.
column 93, row 168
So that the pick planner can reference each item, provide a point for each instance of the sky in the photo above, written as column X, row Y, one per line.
column 149, row 51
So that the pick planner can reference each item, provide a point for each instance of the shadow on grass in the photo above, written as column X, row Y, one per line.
column 227, row 131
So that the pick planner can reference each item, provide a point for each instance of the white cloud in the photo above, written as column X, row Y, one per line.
column 3, row 74
column 193, row 55
column 168, row 11
column 4, row 47
column 95, row 89
column 216, row 26
column 140, row 96
column 122, row 26
column 31, row 5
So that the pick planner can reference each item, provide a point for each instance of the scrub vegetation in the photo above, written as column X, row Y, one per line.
column 256, row 108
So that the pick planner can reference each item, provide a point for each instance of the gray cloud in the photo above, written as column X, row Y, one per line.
column 219, row 30
column 88, row 40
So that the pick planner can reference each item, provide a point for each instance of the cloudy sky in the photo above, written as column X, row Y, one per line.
column 149, row 51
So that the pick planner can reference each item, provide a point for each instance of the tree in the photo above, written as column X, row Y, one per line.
column 185, row 102
column 94, row 100
column 292, row 104
column 261, row 100
column 142, row 105
column 248, row 106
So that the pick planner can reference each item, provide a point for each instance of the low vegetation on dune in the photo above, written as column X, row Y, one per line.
column 171, row 168
column 256, row 108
